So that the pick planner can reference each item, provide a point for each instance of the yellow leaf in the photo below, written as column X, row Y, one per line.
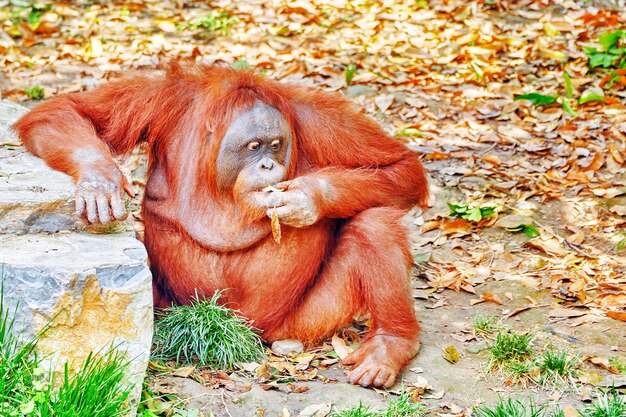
column 184, row 372
column 96, row 47
column 451, row 354
column 264, row 372
column 276, row 227
column 93, row 48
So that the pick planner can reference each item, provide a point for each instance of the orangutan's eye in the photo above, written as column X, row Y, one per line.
column 253, row 146
column 275, row 145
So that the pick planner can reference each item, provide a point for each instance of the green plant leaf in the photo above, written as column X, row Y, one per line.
column 350, row 71
column 568, row 108
column 478, row 71
column 474, row 214
column 568, row 85
column 409, row 131
column 537, row 99
column 486, row 212
column 216, row 20
column 550, row 30
column 457, row 209
column 591, row 97
column 621, row 244
column 608, row 39
column 602, row 59
column 419, row 258
column 34, row 93
column 240, row 65
column 530, row 231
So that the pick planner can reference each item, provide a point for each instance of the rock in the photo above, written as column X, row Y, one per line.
column 9, row 113
column 613, row 381
column 287, row 346
column 318, row 410
column 92, row 291
column 33, row 198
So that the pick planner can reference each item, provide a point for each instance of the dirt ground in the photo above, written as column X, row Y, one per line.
column 454, row 388
column 446, row 317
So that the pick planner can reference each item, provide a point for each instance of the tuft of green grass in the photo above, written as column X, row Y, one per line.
column 519, row 371
column 556, row 365
column 216, row 20
column 207, row 333
column 34, row 93
column 510, row 408
column 404, row 406
column 618, row 364
column 609, row 404
column 18, row 367
column 485, row 324
column 357, row 411
column 509, row 347
column 558, row 412
column 96, row 390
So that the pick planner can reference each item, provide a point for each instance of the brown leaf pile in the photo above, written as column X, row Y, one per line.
column 441, row 73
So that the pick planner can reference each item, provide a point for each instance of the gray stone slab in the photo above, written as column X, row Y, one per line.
column 9, row 113
column 33, row 197
column 93, row 291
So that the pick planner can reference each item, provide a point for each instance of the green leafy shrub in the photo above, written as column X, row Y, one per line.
column 612, row 53
column 471, row 213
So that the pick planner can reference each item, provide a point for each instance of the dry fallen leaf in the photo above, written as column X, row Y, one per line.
column 603, row 363
column 263, row 372
column 616, row 315
column 490, row 297
column 184, row 372
column 316, row 410
column 451, row 354
column 569, row 411
column 276, row 232
column 566, row 313
column 341, row 348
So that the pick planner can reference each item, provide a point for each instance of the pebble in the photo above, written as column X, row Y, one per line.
column 287, row 346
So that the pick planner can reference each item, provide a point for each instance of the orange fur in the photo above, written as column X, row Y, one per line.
column 355, row 260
